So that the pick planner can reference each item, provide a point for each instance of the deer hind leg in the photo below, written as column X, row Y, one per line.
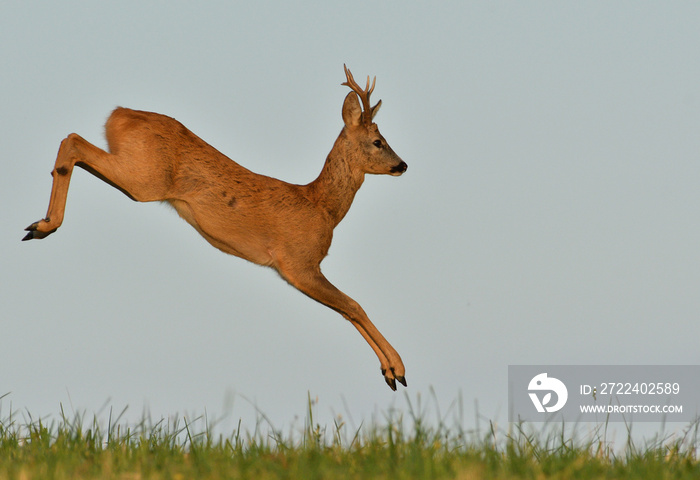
column 75, row 150
column 316, row 285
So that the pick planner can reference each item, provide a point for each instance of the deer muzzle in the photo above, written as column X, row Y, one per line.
column 399, row 169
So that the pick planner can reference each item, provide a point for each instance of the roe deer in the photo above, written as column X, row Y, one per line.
column 261, row 219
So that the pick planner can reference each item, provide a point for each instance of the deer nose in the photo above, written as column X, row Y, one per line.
column 400, row 168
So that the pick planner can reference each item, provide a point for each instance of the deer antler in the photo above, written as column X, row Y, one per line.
column 363, row 94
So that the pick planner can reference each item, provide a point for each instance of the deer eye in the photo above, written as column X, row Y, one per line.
column 377, row 143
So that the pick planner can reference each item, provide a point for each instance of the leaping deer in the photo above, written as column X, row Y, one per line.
column 261, row 219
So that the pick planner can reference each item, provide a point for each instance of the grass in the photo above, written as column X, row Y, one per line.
column 78, row 449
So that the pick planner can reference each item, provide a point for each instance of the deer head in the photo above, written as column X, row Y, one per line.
column 378, row 156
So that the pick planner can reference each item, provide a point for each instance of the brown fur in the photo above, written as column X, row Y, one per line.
column 288, row 227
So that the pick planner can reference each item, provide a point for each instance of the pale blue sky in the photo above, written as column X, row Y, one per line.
column 549, row 214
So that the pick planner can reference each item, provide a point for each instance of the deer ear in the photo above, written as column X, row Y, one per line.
column 375, row 108
column 352, row 113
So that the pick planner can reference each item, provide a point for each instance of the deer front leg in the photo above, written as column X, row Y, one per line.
column 316, row 285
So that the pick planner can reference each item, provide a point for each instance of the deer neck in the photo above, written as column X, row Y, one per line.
column 336, row 186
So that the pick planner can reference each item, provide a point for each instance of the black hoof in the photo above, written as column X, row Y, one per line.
column 34, row 233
